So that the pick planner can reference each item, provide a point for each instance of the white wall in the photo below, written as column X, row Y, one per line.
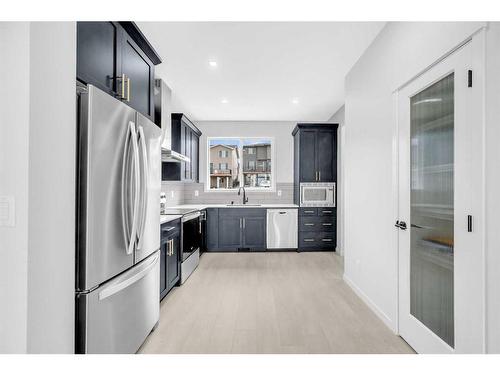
column 399, row 52
column 37, row 166
column 14, row 147
column 339, row 118
column 51, row 259
column 280, row 130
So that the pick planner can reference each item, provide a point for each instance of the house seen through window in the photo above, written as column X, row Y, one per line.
column 237, row 162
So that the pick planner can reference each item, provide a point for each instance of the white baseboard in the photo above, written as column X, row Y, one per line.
column 388, row 322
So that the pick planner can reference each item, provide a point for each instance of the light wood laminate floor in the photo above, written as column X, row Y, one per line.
column 269, row 303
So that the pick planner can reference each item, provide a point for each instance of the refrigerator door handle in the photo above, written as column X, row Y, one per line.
column 144, row 185
column 125, row 200
column 135, row 217
column 115, row 288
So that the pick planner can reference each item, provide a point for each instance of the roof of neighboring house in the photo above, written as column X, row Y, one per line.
column 257, row 145
column 231, row 147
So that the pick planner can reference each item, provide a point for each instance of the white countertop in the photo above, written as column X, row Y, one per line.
column 223, row 205
column 166, row 218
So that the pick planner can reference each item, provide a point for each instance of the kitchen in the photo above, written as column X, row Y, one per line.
column 154, row 143
column 222, row 206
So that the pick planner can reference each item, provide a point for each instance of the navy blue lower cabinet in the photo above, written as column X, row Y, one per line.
column 229, row 232
column 236, row 229
column 317, row 229
column 212, row 229
column 254, row 232
column 170, row 264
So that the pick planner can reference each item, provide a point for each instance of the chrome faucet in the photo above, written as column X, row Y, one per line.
column 245, row 198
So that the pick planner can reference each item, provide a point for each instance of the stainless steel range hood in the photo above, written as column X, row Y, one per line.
column 163, row 113
column 172, row 156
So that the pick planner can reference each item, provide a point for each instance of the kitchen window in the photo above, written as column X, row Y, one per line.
column 240, row 162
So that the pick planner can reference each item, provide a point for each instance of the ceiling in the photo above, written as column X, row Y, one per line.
column 276, row 71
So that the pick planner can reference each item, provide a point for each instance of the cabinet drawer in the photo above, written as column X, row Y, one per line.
column 317, row 240
column 316, row 224
column 326, row 211
column 167, row 229
column 308, row 211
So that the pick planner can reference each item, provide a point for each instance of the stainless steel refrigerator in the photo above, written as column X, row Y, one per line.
column 118, row 228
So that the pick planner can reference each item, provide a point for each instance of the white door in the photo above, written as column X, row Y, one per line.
column 441, row 270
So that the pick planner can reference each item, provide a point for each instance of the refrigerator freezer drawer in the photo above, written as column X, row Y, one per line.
column 119, row 315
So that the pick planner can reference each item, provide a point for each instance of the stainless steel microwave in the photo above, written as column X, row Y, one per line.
column 317, row 194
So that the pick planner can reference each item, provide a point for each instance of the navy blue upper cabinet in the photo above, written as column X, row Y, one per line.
column 307, row 147
column 97, row 60
column 186, row 141
column 315, row 152
column 326, row 151
column 117, row 58
column 138, row 72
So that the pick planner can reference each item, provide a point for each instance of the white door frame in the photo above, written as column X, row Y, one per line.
column 477, row 42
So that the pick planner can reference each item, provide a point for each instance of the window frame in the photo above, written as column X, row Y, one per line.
column 271, row 189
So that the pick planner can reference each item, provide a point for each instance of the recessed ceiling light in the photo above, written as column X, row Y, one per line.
column 295, row 101
column 212, row 63
column 224, row 101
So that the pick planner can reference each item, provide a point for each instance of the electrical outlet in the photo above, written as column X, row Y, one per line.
column 279, row 193
column 196, row 193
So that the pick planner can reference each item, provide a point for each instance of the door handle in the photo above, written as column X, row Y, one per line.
column 135, row 218
column 144, row 183
column 400, row 225
column 125, row 192
column 113, row 289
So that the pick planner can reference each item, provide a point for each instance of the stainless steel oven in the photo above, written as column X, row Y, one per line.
column 191, row 234
column 317, row 194
column 191, row 243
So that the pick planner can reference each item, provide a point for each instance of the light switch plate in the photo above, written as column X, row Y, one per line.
column 172, row 193
column 7, row 211
column 279, row 193
column 196, row 193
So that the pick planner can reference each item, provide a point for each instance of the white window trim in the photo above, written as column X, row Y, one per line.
column 271, row 189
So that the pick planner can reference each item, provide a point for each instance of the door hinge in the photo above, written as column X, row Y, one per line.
column 469, row 78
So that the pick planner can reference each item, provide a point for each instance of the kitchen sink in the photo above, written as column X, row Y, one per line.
column 243, row 205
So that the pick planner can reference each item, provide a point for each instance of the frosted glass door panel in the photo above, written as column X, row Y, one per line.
column 431, row 205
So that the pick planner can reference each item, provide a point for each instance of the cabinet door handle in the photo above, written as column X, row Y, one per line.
column 123, row 86
column 200, row 227
column 308, row 240
column 128, row 89
column 327, row 211
column 244, row 223
column 309, row 224
column 319, row 176
column 308, row 212
column 326, row 239
column 327, row 224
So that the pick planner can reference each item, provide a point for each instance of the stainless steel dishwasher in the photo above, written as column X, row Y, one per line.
column 282, row 228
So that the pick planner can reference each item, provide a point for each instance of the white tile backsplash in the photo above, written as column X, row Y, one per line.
column 191, row 193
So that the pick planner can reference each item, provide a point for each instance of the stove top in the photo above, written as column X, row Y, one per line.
column 179, row 211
